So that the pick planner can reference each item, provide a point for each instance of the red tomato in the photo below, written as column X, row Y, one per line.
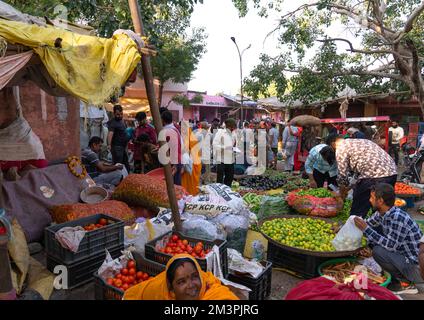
column 183, row 247
column 98, row 226
column 118, row 276
column 189, row 249
column 131, row 279
column 118, row 283
column 200, row 244
column 131, row 264
column 124, row 279
column 175, row 238
column 185, row 242
column 139, row 275
column 145, row 276
column 124, row 271
column 132, row 271
column 110, row 281
column 125, row 286
column 168, row 250
column 193, row 254
column 103, row 221
column 197, row 249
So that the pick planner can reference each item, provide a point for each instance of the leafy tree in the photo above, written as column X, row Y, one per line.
column 390, row 56
column 178, row 58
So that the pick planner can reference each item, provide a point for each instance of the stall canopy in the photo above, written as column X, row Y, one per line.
column 90, row 68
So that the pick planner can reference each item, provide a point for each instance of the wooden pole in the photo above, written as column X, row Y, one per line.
column 154, row 108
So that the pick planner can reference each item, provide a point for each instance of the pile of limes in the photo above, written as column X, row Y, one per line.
column 305, row 233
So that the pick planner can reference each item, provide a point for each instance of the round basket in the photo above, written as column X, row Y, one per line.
column 341, row 260
column 94, row 195
column 324, row 254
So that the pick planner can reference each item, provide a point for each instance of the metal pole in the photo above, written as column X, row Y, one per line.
column 154, row 108
column 241, row 87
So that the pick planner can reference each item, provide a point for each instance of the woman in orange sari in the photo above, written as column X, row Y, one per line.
column 183, row 279
column 191, row 182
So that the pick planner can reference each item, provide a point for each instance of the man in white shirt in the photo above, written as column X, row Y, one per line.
column 273, row 142
column 397, row 135
column 223, row 144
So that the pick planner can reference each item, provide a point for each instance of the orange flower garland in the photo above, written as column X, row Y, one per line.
column 74, row 163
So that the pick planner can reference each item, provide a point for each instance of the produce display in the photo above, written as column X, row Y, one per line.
column 141, row 190
column 404, row 189
column 318, row 192
column 344, row 214
column 421, row 225
column 262, row 182
column 304, row 233
column 69, row 212
column 256, row 192
column 400, row 202
column 175, row 246
column 253, row 201
column 273, row 206
column 343, row 271
column 94, row 226
column 128, row 277
column 315, row 202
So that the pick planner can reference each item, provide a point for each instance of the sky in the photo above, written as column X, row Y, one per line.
column 219, row 69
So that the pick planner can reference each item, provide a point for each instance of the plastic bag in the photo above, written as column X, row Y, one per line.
column 209, row 205
column 139, row 234
column 236, row 227
column 349, row 237
column 237, row 263
column 198, row 227
column 112, row 267
column 233, row 199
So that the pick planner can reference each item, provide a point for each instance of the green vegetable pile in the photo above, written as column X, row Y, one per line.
column 253, row 202
column 296, row 184
column 345, row 213
column 273, row 206
column 319, row 193
column 308, row 233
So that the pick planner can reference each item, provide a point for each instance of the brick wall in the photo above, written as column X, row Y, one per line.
column 54, row 120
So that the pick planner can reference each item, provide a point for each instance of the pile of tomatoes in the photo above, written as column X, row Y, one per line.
column 128, row 277
column 402, row 188
column 175, row 246
column 100, row 224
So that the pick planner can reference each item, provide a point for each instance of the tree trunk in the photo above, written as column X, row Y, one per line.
column 160, row 94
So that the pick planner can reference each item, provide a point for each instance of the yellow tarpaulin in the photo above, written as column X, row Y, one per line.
column 90, row 68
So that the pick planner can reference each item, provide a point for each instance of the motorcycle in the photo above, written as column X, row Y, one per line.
column 413, row 160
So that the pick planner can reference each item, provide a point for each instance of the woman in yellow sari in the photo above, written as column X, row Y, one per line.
column 191, row 182
column 183, row 279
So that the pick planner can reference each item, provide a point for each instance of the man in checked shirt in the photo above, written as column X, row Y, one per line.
column 397, row 248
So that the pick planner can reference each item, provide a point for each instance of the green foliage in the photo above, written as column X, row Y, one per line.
column 330, row 70
column 183, row 100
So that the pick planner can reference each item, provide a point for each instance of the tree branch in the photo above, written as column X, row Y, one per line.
column 410, row 22
column 352, row 49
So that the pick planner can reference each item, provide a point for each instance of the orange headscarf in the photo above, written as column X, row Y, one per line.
column 157, row 287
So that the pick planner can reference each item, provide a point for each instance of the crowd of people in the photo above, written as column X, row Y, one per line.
column 344, row 158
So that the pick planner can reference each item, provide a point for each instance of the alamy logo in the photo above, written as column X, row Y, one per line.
column 61, row 280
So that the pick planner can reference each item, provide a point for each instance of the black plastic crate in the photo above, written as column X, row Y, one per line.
column 104, row 291
column 261, row 286
column 94, row 242
column 300, row 265
column 163, row 258
column 81, row 272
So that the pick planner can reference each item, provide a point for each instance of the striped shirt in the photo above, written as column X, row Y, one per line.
column 401, row 234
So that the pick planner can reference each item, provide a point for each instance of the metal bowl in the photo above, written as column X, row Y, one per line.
column 94, row 195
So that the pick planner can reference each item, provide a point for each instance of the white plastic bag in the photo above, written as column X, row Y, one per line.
column 233, row 199
column 111, row 267
column 237, row 263
column 209, row 205
column 139, row 234
column 349, row 237
column 198, row 227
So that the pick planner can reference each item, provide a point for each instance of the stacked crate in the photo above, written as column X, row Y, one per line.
column 416, row 131
column 81, row 265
